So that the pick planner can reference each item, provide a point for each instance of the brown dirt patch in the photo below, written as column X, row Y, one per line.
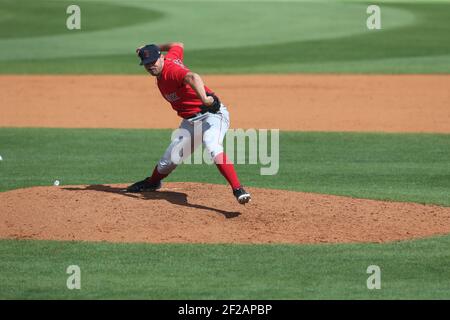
column 186, row 212
column 390, row 103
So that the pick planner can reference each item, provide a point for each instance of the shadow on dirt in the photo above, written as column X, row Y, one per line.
column 178, row 198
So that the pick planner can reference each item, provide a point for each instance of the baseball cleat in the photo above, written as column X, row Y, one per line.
column 143, row 186
column 241, row 195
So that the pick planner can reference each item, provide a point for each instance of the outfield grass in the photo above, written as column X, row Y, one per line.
column 409, row 270
column 401, row 167
column 227, row 37
column 26, row 18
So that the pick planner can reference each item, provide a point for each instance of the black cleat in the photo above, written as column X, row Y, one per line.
column 143, row 186
column 241, row 195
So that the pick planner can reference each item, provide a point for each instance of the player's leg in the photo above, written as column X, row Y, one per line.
column 180, row 148
column 214, row 128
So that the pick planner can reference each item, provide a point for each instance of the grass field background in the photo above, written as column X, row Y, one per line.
column 409, row 270
column 229, row 37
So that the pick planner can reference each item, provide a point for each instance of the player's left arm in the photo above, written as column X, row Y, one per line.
column 210, row 102
column 196, row 83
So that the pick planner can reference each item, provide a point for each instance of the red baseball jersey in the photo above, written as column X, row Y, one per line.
column 181, row 96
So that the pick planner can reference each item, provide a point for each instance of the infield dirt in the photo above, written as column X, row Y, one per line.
column 387, row 103
column 184, row 212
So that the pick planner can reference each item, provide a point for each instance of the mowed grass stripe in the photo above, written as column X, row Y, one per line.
column 29, row 19
column 398, row 167
column 413, row 39
column 409, row 270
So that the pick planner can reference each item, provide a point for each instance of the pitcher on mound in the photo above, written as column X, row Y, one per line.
column 198, row 106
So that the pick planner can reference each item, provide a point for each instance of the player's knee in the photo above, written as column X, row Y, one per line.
column 214, row 148
column 166, row 166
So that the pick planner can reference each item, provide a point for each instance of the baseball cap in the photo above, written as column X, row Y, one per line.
column 148, row 54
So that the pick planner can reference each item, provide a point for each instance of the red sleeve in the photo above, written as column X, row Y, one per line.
column 175, row 52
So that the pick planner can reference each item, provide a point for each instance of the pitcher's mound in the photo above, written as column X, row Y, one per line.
column 207, row 213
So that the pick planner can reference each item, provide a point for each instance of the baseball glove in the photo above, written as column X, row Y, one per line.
column 214, row 108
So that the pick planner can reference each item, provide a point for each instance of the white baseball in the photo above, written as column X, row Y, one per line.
column 56, row 183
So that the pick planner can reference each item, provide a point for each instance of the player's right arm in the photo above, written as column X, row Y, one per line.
column 168, row 46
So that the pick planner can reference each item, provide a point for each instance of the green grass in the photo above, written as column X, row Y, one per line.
column 19, row 18
column 409, row 270
column 240, row 37
column 400, row 167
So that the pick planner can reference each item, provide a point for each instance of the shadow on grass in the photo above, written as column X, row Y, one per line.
column 177, row 198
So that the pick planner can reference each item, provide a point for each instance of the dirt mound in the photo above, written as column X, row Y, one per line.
column 207, row 213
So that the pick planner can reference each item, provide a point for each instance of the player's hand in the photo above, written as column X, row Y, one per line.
column 209, row 100
column 213, row 106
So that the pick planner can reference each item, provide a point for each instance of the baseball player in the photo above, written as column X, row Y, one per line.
column 199, row 108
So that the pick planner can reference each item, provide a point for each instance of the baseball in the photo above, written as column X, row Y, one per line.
column 56, row 183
